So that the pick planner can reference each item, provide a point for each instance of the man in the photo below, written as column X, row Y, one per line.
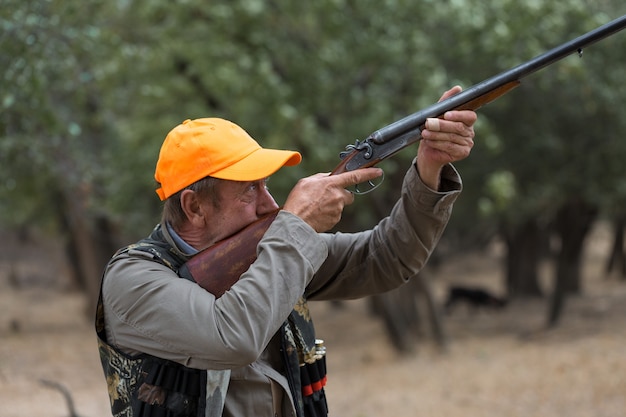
column 171, row 348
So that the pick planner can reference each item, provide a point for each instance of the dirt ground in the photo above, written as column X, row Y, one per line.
column 501, row 363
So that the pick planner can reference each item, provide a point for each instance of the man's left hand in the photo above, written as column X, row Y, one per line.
column 445, row 141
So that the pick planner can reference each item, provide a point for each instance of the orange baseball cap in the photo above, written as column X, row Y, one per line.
column 218, row 148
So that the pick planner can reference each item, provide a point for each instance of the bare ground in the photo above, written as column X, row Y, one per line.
column 497, row 363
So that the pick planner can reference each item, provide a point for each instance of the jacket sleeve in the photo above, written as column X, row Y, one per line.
column 149, row 309
column 385, row 257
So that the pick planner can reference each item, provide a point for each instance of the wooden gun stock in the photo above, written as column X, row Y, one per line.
column 217, row 268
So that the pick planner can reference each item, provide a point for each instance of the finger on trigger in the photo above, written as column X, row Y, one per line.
column 358, row 176
column 432, row 124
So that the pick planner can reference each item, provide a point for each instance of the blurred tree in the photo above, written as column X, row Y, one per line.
column 56, row 130
column 538, row 147
column 552, row 151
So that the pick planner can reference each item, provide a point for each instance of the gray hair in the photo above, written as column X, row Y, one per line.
column 173, row 213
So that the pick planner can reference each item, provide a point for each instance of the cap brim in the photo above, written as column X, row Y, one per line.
column 258, row 165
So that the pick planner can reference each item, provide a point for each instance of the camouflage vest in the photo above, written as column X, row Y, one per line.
column 146, row 386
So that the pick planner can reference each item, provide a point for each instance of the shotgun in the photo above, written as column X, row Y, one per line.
column 217, row 268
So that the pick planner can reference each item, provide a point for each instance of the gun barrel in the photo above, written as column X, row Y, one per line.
column 513, row 75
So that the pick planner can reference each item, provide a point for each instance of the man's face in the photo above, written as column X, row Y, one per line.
column 241, row 203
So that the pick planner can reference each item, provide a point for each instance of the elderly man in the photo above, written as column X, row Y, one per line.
column 171, row 348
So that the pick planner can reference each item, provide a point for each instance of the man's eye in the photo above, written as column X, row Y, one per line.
column 255, row 186
column 259, row 185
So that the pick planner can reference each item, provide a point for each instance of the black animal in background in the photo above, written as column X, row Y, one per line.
column 474, row 298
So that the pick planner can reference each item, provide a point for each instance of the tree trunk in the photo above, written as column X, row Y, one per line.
column 89, row 245
column 434, row 310
column 617, row 258
column 572, row 224
column 524, row 251
column 399, row 310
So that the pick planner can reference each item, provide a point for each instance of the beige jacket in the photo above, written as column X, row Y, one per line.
column 148, row 309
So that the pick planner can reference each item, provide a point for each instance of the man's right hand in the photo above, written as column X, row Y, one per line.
column 320, row 199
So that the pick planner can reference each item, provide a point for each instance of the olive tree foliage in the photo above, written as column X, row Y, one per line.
column 53, row 123
column 58, row 136
column 552, row 157
column 555, row 134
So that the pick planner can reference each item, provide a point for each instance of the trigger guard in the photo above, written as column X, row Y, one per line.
column 372, row 186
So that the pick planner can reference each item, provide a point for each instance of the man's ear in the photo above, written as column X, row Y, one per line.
column 190, row 203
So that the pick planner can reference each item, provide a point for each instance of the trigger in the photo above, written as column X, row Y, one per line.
column 368, row 186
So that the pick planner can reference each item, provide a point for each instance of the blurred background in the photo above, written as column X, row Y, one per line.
column 89, row 89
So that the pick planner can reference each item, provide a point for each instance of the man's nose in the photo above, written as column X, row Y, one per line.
column 266, row 202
